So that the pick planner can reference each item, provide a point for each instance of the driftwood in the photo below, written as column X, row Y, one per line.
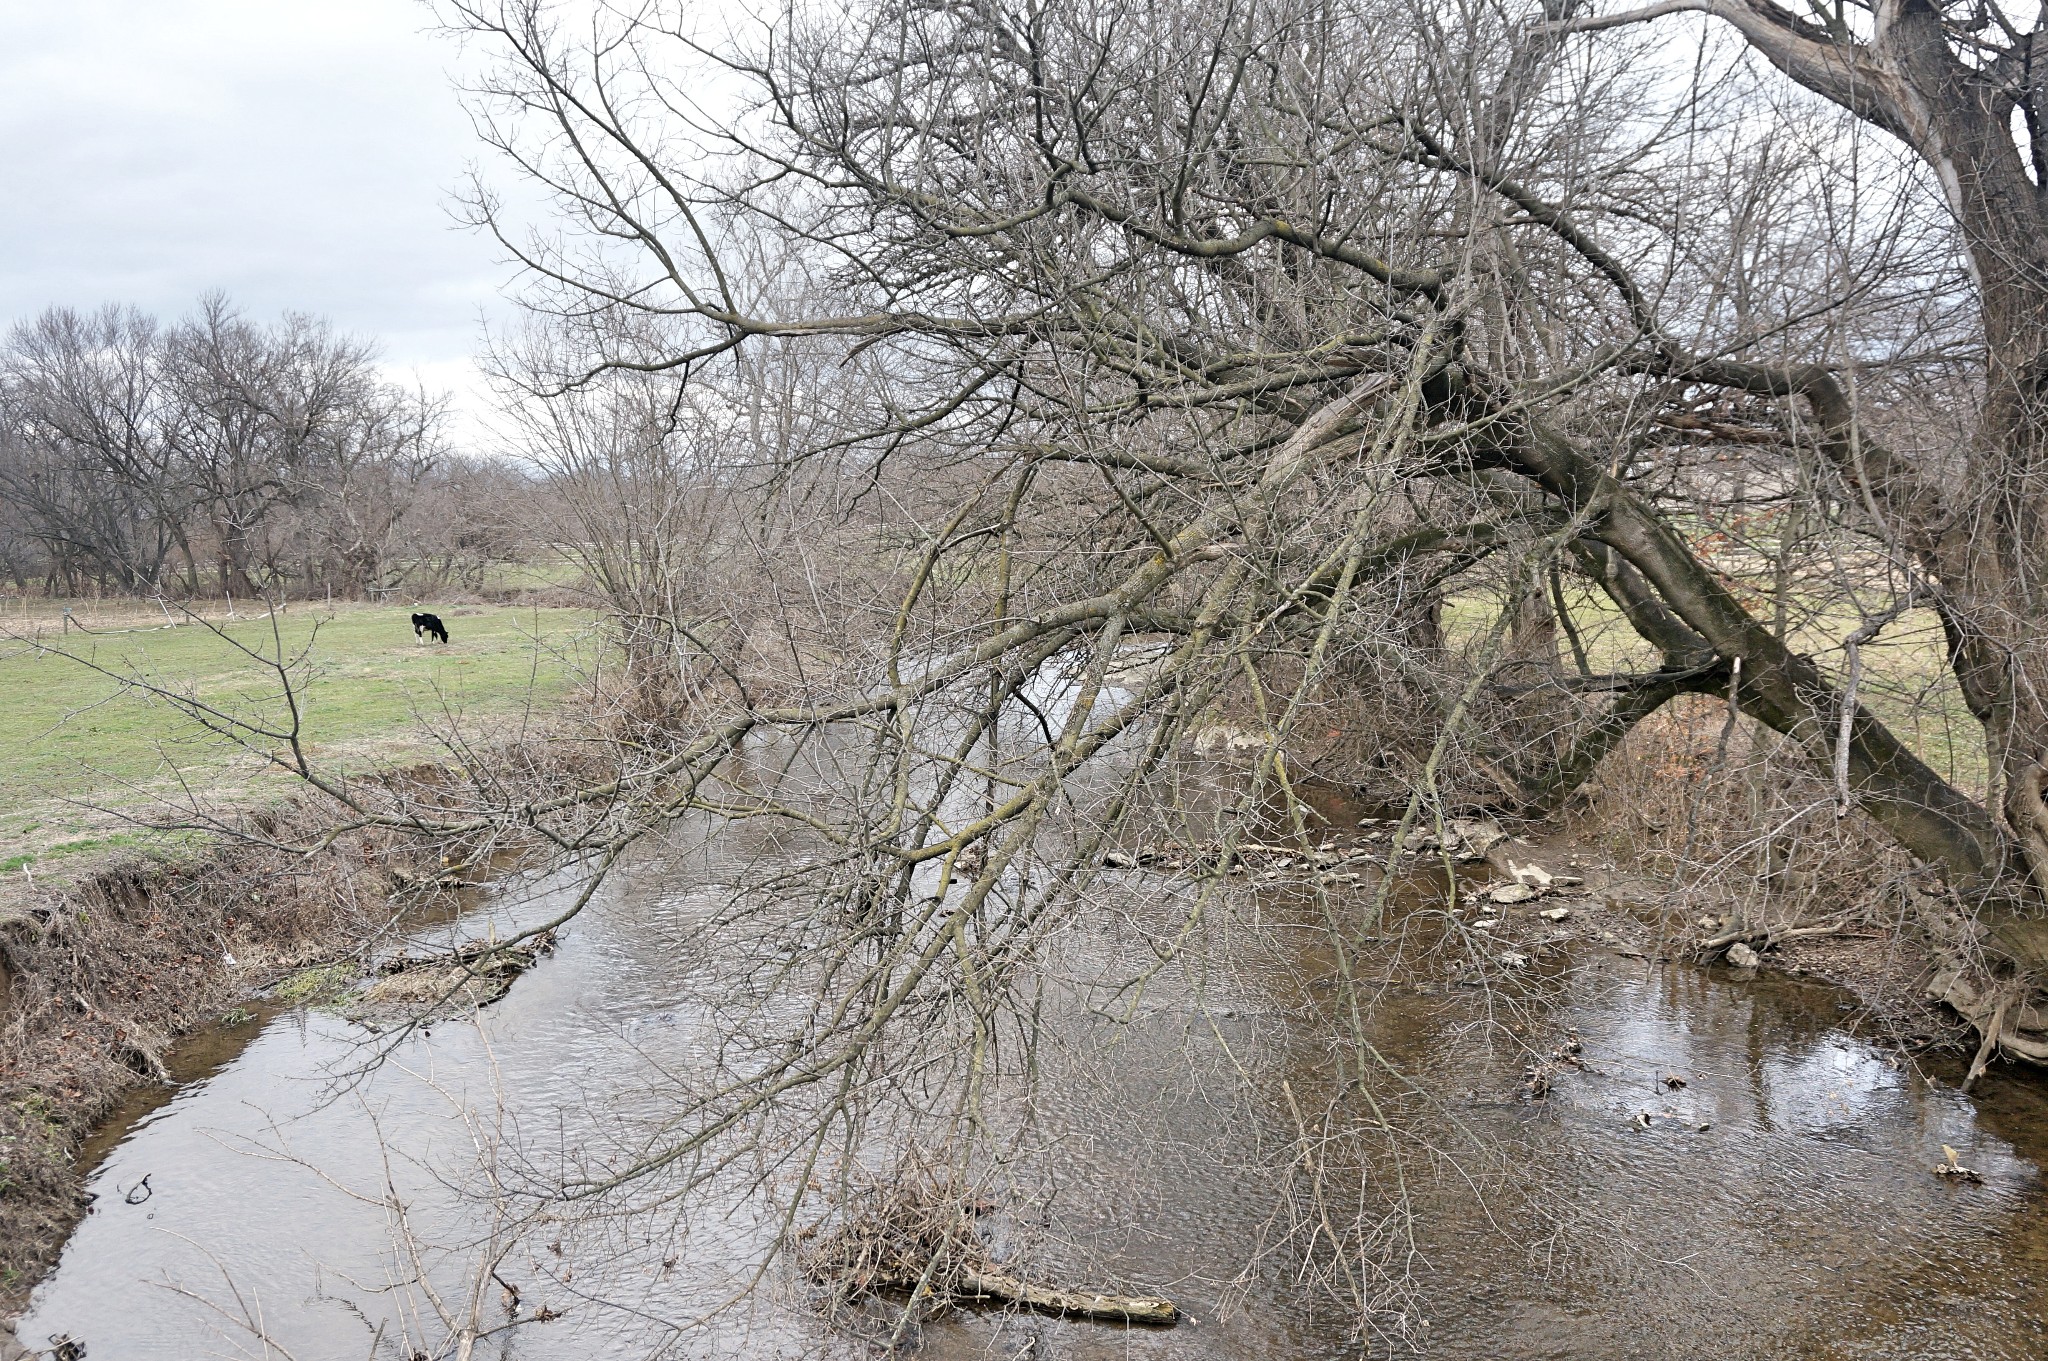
column 448, row 877
column 489, row 955
column 1245, row 855
column 923, row 1237
column 1114, row 1308
column 1772, row 935
column 1465, row 839
column 1205, row 855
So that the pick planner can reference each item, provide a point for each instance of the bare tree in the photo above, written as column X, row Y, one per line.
column 89, row 429
column 1947, row 81
column 466, row 515
column 266, row 415
column 1301, row 233
column 1184, row 360
column 134, row 451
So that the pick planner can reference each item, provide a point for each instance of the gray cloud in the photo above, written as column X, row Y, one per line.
column 296, row 153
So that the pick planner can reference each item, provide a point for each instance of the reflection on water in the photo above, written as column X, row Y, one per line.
column 1780, row 1203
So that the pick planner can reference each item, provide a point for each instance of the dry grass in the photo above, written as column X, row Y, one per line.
column 1744, row 825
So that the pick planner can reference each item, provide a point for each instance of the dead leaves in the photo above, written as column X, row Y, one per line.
column 1955, row 1170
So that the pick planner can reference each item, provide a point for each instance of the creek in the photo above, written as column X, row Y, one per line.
column 1781, row 1202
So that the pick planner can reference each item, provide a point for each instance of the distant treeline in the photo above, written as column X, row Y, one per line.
column 218, row 454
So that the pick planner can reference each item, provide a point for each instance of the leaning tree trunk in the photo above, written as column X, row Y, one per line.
column 1921, row 810
column 1983, row 545
column 1976, row 531
column 1992, row 558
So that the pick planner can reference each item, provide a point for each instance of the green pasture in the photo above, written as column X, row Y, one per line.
column 79, row 726
column 1906, row 678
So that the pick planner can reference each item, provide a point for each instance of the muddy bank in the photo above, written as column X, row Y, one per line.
column 1889, row 939
column 99, row 978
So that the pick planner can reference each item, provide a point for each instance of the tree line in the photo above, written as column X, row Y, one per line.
column 218, row 454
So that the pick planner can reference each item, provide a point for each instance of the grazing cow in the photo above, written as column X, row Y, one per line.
column 425, row 626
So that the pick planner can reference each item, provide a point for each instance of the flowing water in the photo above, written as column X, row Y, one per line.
column 1781, row 1203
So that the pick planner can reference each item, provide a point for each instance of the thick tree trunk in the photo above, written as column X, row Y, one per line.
column 1545, row 789
column 1979, row 532
column 1994, row 557
column 1925, row 813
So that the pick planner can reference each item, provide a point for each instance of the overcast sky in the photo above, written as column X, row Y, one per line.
column 296, row 153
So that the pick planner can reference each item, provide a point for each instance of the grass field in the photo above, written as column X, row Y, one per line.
column 72, row 736
column 1906, row 678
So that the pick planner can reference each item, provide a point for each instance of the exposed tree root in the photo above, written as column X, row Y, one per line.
column 2005, row 1014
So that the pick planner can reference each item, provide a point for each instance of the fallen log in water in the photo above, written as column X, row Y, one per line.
column 1114, row 1308
column 925, row 1237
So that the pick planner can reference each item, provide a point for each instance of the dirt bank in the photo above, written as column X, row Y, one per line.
column 99, row 977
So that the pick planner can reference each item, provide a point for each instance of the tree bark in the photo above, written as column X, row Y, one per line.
column 1984, row 543
column 1927, row 815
